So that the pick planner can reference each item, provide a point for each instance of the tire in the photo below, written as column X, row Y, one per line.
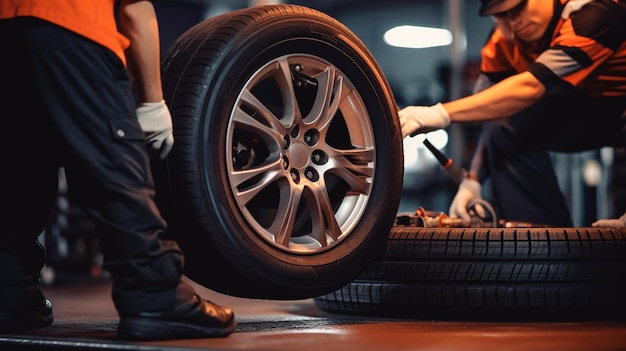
column 539, row 274
column 286, row 173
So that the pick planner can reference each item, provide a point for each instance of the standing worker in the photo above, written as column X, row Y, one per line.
column 553, row 78
column 67, row 101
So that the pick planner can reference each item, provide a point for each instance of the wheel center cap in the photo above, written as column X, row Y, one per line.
column 299, row 155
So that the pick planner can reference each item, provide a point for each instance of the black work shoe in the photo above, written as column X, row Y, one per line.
column 38, row 315
column 192, row 319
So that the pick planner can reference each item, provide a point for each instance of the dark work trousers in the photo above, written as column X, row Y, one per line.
column 513, row 153
column 67, row 102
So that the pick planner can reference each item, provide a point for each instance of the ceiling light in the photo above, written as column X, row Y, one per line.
column 414, row 37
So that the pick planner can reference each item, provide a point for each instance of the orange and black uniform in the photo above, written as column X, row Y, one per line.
column 581, row 61
column 67, row 102
column 92, row 19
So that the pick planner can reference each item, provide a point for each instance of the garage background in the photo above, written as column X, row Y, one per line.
column 589, row 180
column 594, row 182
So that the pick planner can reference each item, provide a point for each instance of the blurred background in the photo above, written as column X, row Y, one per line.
column 425, row 73
column 426, row 76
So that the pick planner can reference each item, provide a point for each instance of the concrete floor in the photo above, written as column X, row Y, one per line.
column 86, row 320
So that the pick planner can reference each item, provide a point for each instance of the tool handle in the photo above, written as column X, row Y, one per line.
column 455, row 172
column 443, row 160
column 446, row 163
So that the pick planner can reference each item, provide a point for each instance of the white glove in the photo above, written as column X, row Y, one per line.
column 423, row 119
column 469, row 190
column 156, row 122
column 608, row 223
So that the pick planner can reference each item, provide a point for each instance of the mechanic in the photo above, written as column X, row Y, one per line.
column 553, row 78
column 69, row 101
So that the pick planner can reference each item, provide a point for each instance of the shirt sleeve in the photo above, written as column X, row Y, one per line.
column 498, row 57
column 583, row 43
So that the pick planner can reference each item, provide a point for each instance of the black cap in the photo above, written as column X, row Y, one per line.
column 491, row 7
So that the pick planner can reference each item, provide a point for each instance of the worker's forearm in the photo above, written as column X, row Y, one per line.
column 138, row 22
column 501, row 100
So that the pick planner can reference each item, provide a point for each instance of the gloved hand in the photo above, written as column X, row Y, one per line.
column 469, row 190
column 423, row 119
column 156, row 122
column 609, row 223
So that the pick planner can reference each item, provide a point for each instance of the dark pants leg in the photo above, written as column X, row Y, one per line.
column 81, row 93
column 513, row 153
column 28, row 177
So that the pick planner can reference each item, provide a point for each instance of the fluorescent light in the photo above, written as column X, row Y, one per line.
column 414, row 146
column 414, row 37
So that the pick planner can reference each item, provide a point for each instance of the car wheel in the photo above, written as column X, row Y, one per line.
column 286, row 173
column 496, row 273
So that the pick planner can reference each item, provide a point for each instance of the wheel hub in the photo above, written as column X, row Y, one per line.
column 299, row 155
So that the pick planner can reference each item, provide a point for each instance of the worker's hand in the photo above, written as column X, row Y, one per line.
column 156, row 122
column 609, row 223
column 423, row 119
column 469, row 190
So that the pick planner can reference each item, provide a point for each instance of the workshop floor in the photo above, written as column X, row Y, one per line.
column 86, row 320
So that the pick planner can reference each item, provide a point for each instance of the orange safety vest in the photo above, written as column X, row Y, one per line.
column 93, row 19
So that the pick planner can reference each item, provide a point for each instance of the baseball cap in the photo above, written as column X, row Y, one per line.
column 490, row 7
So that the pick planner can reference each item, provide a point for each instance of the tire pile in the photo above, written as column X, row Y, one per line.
column 491, row 273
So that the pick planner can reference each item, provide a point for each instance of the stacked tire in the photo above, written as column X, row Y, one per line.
column 494, row 273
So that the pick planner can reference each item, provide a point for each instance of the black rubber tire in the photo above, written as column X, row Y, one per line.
column 505, row 274
column 204, row 73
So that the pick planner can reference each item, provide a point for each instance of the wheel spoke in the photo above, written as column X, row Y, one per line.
column 285, row 82
column 328, row 98
column 261, row 110
column 263, row 175
column 282, row 225
column 273, row 131
column 322, row 215
column 355, row 168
